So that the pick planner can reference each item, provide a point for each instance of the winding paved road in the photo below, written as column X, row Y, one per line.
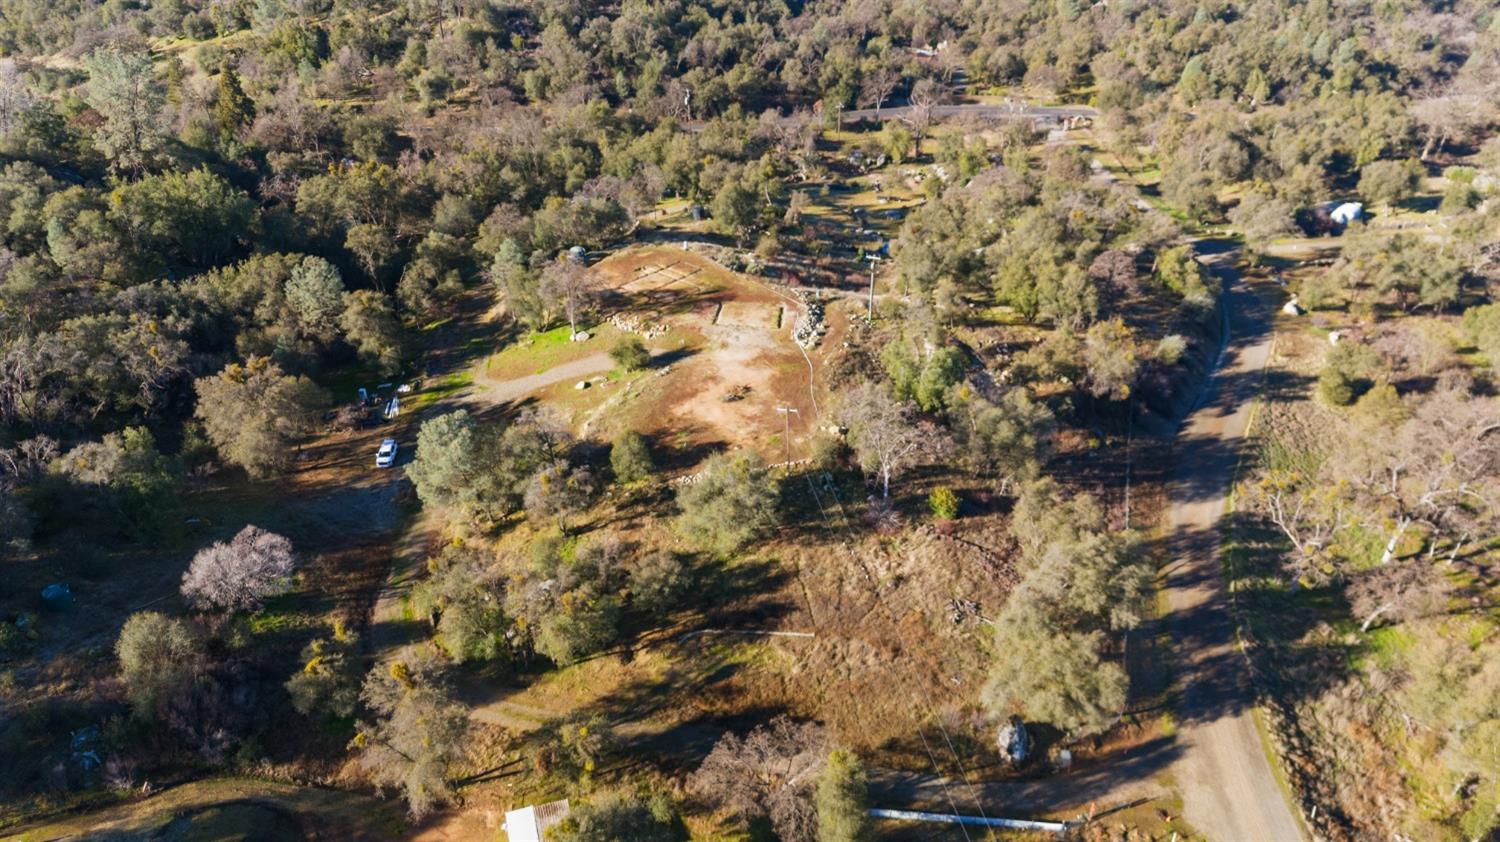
column 1229, row 790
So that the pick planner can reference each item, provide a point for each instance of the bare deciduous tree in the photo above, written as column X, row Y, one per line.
column 1397, row 592
column 1457, row 110
column 768, row 772
column 887, row 435
column 926, row 96
column 242, row 574
column 1115, row 270
column 877, row 87
column 568, row 284
column 1439, row 468
column 1309, row 512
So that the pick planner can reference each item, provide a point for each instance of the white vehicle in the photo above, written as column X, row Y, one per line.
column 386, row 455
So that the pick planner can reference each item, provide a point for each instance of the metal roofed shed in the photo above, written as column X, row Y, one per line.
column 529, row 824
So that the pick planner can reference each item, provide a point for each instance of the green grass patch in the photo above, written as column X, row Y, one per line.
column 538, row 352
column 1360, row 547
column 1278, row 454
column 445, row 387
column 1386, row 647
column 275, row 618
column 1168, row 724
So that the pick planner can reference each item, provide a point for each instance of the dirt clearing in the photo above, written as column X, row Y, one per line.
column 732, row 365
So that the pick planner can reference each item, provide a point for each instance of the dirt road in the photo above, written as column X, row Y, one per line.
column 1127, row 781
column 1228, row 787
column 988, row 111
column 509, row 390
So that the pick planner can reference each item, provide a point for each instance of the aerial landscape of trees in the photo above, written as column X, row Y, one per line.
column 242, row 243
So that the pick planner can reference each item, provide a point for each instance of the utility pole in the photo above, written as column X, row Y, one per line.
column 786, row 415
column 874, row 259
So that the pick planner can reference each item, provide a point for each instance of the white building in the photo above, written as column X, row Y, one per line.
column 1347, row 213
column 529, row 824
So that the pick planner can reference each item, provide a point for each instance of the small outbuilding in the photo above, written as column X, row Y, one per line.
column 529, row 824
column 1347, row 212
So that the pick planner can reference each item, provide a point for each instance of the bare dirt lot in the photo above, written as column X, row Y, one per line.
column 724, row 359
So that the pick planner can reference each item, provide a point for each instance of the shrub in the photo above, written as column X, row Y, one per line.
column 1336, row 387
column 328, row 682
column 660, row 581
column 630, row 353
column 733, row 501
column 619, row 816
column 16, row 637
column 840, row 798
column 1171, row 348
column 828, row 452
column 1458, row 198
column 1482, row 324
column 159, row 656
column 1348, row 372
column 1389, row 182
column 583, row 624
column 630, row 458
column 943, row 502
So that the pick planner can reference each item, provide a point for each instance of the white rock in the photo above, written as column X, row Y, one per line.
column 1013, row 741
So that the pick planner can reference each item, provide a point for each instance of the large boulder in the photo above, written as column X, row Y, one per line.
column 1014, row 741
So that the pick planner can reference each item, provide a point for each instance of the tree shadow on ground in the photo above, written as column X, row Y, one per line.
column 682, row 447
column 1277, row 617
column 671, row 357
column 1027, row 794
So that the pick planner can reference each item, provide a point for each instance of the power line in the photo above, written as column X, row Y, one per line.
column 973, row 792
column 879, row 598
column 931, row 708
column 944, row 784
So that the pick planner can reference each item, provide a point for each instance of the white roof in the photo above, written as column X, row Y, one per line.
column 1347, row 211
column 528, row 823
column 520, row 825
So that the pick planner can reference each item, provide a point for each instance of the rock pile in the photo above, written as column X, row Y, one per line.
column 637, row 324
column 810, row 328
